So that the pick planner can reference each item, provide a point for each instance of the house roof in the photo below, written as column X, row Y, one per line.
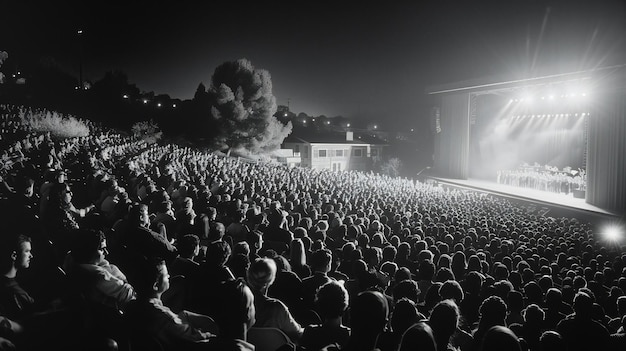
column 332, row 138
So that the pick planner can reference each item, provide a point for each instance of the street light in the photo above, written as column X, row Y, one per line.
column 80, row 57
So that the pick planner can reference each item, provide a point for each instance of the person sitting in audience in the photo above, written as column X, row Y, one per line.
column 147, row 317
column 15, row 255
column 580, row 331
column 492, row 313
column 332, row 301
column 138, row 241
column 188, row 249
column 369, row 313
column 418, row 337
column 320, row 265
column 404, row 315
column 500, row 338
column 270, row 312
column 95, row 278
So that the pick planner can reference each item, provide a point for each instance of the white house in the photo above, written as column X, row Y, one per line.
column 335, row 151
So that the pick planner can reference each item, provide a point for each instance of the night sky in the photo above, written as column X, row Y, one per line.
column 358, row 59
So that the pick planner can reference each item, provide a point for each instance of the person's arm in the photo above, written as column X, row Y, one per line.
column 199, row 321
column 116, row 288
column 287, row 324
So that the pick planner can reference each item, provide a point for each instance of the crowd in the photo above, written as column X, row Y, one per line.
column 544, row 178
column 110, row 243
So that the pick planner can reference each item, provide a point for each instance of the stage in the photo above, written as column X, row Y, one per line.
column 548, row 203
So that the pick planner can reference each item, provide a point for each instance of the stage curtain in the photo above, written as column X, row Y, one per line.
column 606, row 164
column 452, row 143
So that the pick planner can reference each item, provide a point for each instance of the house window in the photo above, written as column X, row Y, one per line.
column 374, row 152
column 339, row 153
column 358, row 152
column 296, row 148
column 322, row 153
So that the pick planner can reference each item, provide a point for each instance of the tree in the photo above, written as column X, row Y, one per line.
column 243, row 105
column 391, row 167
column 3, row 56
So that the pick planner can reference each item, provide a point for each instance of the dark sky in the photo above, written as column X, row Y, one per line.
column 351, row 58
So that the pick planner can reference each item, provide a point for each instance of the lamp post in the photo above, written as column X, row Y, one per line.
column 80, row 58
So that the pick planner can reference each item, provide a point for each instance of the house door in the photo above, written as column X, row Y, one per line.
column 336, row 166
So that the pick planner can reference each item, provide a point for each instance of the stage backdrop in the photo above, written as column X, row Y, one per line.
column 452, row 143
column 606, row 164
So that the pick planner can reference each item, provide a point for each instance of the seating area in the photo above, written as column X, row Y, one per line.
column 111, row 243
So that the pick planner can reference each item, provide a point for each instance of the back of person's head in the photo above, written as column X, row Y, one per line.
column 534, row 315
column 621, row 305
column 151, row 277
column 406, row 289
column 426, row 270
column 554, row 297
column 188, row 245
column 85, row 245
column 552, row 341
column 389, row 268
column 444, row 319
column 332, row 300
column 320, row 261
column 404, row 315
column 241, row 247
column 402, row 273
column 432, row 296
column 216, row 231
column 368, row 313
column 493, row 311
column 451, row 289
column 499, row 338
column 282, row 265
column 418, row 337
column 473, row 282
column 261, row 274
column 217, row 253
column 583, row 305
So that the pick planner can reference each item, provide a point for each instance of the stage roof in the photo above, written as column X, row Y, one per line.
column 501, row 84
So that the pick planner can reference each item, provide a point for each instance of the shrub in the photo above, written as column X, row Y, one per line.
column 57, row 124
column 149, row 131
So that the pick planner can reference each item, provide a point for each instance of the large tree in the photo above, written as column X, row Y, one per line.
column 243, row 105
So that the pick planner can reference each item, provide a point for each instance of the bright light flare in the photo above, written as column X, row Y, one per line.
column 613, row 233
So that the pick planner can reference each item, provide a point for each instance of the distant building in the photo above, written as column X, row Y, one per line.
column 335, row 151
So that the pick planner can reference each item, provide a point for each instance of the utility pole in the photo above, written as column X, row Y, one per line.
column 80, row 58
column 288, row 102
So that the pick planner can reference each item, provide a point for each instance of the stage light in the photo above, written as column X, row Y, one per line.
column 125, row 96
column 174, row 105
column 348, row 125
column 145, row 101
column 159, row 104
column 551, row 97
column 612, row 233
column 584, row 94
column 543, row 98
column 510, row 100
column 583, row 114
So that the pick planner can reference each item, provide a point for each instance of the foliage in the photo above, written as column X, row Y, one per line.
column 3, row 56
column 391, row 167
column 149, row 131
column 57, row 124
column 243, row 106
